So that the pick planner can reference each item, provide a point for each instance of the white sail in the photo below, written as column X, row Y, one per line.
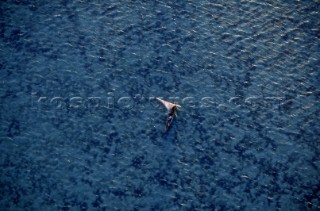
column 167, row 104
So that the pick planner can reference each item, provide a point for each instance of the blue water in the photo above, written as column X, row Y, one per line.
column 80, row 128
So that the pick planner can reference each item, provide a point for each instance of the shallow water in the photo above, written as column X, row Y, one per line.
column 80, row 127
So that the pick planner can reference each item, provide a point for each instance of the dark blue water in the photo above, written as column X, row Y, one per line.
column 80, row 128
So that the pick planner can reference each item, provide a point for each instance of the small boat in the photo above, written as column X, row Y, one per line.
column 172, row 108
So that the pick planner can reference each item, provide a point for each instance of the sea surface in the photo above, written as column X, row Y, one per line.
column 80, row 128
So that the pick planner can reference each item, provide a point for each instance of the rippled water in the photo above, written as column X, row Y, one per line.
column 80, row 128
